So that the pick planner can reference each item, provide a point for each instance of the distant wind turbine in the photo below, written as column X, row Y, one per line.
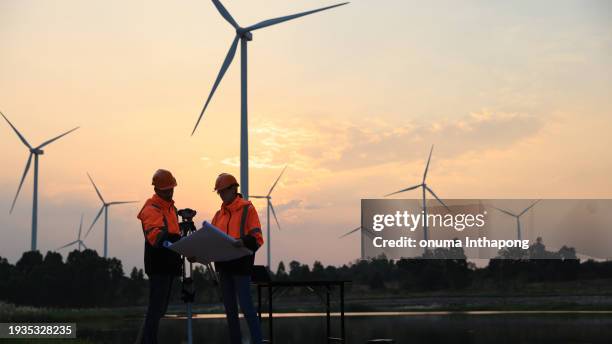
column 425, row 189
column 34, row 151
column 78, row 240
column 517, row 217
column 367, row 231
column 244, row 35
column 104, row 208
column 270, row 207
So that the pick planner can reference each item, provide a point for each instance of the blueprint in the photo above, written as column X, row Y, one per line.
column 209, row 244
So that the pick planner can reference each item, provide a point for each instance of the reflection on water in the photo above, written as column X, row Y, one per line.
column 453, row 328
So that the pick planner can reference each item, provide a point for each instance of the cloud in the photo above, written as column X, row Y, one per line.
column 292, row 204
column 337, row 145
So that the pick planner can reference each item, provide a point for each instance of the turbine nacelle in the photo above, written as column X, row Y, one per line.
column 37, row 151
column 244, row 34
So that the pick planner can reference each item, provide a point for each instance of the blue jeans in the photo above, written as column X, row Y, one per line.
column 239, row 285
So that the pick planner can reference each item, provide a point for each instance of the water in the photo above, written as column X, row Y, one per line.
column 436, row 328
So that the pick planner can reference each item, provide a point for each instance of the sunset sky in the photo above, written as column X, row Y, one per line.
column 516, row 97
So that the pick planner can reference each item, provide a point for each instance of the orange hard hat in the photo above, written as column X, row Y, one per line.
column 163, row 180
column 225, row 180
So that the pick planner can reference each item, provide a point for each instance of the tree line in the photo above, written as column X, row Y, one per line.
column 85, row 279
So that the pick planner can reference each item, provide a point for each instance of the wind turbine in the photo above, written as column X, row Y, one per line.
column 78, row 240
column 270, row 207
column 518, row 217
column 367, row 231
column 34, row 151
column 425, row 188
column 104, row 208
column 244, row 35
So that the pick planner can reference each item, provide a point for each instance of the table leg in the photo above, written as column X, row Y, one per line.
column 259, row 302
column 342, row 312
column 328, row 313
column 270, row 326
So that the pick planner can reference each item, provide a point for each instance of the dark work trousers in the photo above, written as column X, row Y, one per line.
column 239, row 285
column 159, row 294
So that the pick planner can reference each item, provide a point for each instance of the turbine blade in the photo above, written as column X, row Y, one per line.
column 25, row 142
column 274, row 214
column 57, row 137
column 225, row 13
column 277, row 179
column 82, row 243
column 68, row 244
column 369, row 232
column 504, row 211
column 278, row 20
column 123, row 202
column 95, row 187
column 427, row 166
column 349, row 232
column 226, row 63
column 404, row 190
column 25, row 172
column 94, row 221
column 436, row 196
column 251, row 196
column 80, row 227
column 527, row 209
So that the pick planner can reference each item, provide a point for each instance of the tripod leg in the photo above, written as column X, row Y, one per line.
column 215, row 277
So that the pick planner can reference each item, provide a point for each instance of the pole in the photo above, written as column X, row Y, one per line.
column 268, row 248
column 105, row 231
column 425, row 236
column 518, row 227
column 244, row 133
column 35, row 204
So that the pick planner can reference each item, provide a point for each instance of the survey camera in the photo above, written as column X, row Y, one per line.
column 187, row 225
column 187, row 214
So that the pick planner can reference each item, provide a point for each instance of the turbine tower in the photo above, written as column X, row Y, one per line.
column 78, row 240
column 34, row 151
column 425, row 188
column 244, row 35
column 104, row 208
column 518, row 217
column 270, row 207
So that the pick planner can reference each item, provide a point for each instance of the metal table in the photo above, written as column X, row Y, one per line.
column 273, row 286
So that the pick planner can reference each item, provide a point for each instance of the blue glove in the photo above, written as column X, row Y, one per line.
column 166, row 243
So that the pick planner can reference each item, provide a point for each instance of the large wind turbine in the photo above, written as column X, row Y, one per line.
column 518, row 217
column 34, row 151
column 425, row 189
column 104, row 208
column 78, row 240
column 244, row 35
column 270, row 207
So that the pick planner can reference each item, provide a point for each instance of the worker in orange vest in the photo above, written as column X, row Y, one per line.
column 159, row 223
column 238, row 218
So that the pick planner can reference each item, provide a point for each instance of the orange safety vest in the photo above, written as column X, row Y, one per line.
column 230, row 217
column 158, row 216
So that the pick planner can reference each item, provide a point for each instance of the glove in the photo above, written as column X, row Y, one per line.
column 250, row 242
column 166, row 244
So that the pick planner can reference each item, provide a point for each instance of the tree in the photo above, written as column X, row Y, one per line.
column 281, row 273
